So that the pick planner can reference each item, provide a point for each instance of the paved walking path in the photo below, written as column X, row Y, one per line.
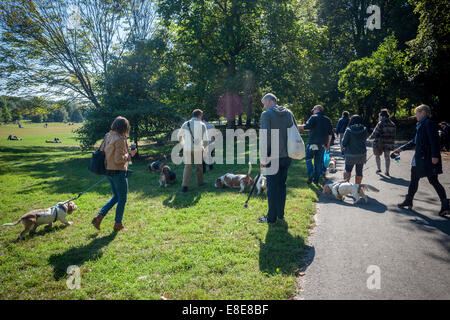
column 411, row 249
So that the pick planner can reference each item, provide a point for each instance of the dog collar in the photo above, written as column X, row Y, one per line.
column 337, row 189
column 56, row 211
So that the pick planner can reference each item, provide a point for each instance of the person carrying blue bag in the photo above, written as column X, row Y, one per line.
column 321, row 133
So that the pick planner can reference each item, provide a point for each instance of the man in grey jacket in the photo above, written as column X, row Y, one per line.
column 275, row 118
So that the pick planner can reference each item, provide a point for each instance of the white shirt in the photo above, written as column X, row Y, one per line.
column 200, row 132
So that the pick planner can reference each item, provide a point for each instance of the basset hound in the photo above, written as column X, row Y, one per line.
column 231, row 180
column 35, row 218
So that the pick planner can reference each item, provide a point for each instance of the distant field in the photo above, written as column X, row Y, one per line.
column 34, row 134
column 199, row 245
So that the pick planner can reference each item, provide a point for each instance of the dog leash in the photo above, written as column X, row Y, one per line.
column 252, row 189
column 368, row 161
column 81, row 193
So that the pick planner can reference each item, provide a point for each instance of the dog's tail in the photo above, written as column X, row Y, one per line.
column 249, row 168
column 12, row 223
column 369, row 187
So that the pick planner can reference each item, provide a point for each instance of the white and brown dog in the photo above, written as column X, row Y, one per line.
column 167, row 176
column 332, row 165
column 231, row 180
column 35, row 218
column 261, row 184
column 340, row 189
column 154, row 166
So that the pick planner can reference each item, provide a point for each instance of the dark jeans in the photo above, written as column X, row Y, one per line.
column 119, row 186
column 316, row 170
column 414, row 185
column 276, row 191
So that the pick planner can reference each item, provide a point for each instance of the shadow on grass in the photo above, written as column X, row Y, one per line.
column 42, row 232
column 79, row 255
column 281, row 252
column 180, row 200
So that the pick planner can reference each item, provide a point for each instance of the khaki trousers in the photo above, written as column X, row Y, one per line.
column 188, row 167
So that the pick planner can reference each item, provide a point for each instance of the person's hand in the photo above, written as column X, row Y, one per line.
column 435, row 160
column 133, row 152
column 327, row 147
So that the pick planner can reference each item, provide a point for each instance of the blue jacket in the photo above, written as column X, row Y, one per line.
column 320, row 128
column 354, row 141
column 342, row 125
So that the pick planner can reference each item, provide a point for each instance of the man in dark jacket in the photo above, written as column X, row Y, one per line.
column 342, row 125
column 320, row 136
column 275, row 118
column 427, row 160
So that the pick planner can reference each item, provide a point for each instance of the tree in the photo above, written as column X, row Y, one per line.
column 246, row 48
column 349, row 38
column 60, row 115
column 429, row 55
column 137, row 87
column 5, row 113
column 38, row 118
column 229, row 106
column 379, row 81
column 76, row 116
column 67, row 45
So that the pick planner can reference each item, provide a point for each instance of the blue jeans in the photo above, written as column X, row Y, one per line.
column 316, row 170
column 276, row 191
column 119, row 186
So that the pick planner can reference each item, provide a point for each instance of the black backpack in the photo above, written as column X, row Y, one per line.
column 97, row 163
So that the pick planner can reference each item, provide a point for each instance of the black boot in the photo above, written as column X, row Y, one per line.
column 445, row 209
column 407, row 203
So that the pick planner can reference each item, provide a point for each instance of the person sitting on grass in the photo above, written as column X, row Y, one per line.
column 56, row 140
column 14, row 138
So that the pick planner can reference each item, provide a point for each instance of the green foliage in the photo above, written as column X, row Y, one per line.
column 138, row 87
column 349, row 39
column 5, row 115
column 429, row 54
column 60, row 115
column 76, row 116
column 379, row 81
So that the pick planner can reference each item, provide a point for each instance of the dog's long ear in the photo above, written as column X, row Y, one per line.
column 70, row 207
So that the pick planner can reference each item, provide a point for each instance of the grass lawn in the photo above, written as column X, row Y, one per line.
column 197, row 245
